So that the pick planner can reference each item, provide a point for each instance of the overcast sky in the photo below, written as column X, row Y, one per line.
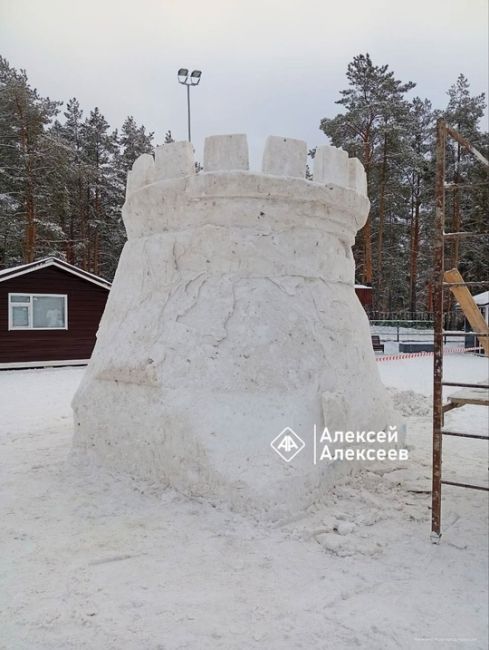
column 269, row 66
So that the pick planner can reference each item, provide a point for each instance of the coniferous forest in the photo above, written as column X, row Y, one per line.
column 63, row 171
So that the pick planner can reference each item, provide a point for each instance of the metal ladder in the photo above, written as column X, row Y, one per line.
column 441, row 237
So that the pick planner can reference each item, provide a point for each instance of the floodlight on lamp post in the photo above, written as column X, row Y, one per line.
column 188, row 80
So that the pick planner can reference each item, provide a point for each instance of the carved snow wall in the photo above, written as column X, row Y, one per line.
column 233, row 315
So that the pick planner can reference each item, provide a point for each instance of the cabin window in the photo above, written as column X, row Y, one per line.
column 38, row 311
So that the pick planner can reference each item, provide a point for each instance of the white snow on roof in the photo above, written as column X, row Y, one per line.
column 17, row 268
column 482, row 298
column 14, row 271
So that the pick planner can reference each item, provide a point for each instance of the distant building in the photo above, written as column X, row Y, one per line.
column 482, row 301
column 365, row 295
column 49, row 314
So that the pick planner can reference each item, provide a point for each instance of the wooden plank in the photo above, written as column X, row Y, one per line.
column 450, row 406
column 465, row 143
column 474, row 394
column 470, row 396
column 469, row 307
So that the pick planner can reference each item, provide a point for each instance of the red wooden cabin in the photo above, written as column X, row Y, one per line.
column 49, row 314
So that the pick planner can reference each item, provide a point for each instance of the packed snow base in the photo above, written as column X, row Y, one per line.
column 90, row 560
column 232, row 316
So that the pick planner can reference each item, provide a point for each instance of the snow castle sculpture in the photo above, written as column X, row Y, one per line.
column 232, row 316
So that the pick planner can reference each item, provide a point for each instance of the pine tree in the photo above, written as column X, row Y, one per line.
column 11, row 222
column 62, row 182
column 373, row 103
column 420, row 179
column 26, row 157
column 134, row 141
column 54, row 204
column 103, row 191
column 76, row 179
column 463, row 113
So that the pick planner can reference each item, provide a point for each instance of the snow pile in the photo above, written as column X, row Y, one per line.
column 408, row 403
column 232, row 316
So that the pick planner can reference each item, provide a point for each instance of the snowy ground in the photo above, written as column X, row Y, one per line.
column 91, row 560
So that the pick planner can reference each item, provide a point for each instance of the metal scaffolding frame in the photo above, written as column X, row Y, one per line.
column 443, row 132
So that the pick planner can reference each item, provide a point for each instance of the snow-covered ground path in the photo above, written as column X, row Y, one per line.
column 91, row 560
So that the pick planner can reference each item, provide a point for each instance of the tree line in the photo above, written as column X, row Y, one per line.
column 63, row 172
column 62, row 181
column 394, row 137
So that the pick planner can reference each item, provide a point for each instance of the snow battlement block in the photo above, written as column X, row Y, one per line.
column 285, row 157
column 233, row 316
column 174, row 160
column 225, row 152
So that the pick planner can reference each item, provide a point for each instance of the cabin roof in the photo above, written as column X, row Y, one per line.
column 482, row 298
column 15, row 271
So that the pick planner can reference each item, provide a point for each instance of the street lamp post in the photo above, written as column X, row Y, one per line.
column 188, row 80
